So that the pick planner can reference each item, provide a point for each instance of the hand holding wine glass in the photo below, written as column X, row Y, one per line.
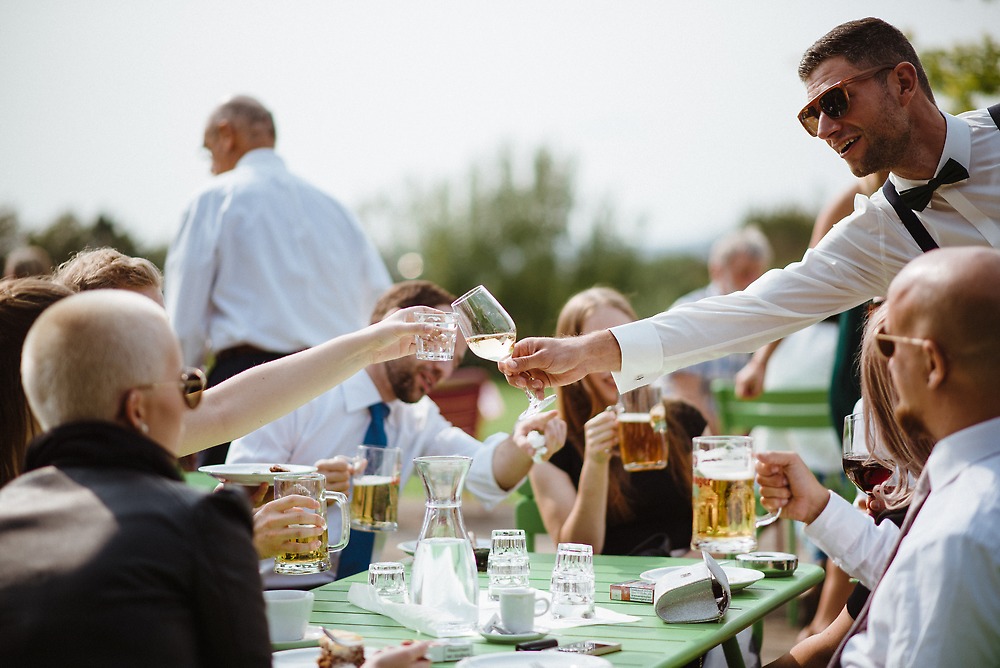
column 490, row 333
column 861, row 467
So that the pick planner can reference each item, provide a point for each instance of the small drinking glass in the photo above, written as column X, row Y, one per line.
column 389, row 581
column 572, row 584
column 440, row 346
column 507, row 565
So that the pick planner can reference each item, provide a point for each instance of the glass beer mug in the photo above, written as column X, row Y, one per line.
column 312, row 485
column 723, row 500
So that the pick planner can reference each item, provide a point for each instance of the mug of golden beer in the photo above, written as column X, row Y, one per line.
column 312, row 485
column 375, row 488
column 725, row 509
column 642, row 429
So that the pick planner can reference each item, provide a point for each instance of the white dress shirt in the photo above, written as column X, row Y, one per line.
column 266, row 259
column 335, row 424
column 853, row 262
column 938, row 603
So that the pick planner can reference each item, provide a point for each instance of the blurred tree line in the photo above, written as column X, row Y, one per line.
column 521, row 238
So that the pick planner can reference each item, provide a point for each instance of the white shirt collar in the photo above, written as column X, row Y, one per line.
column 260, row 157
column 953, row 453
column 957, row 145
column 360, row 392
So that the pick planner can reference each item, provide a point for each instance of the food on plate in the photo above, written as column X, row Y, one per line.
column 277, row 468
column 340, row 648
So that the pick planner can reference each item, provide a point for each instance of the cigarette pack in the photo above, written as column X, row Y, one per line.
column 636, row 591
column 449, row 649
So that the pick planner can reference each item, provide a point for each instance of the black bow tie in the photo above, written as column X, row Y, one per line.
column 918, row 198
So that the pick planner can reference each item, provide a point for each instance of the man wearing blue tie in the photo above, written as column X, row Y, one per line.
column 387, row 404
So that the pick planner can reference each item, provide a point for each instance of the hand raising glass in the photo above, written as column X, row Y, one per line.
column 490, row 333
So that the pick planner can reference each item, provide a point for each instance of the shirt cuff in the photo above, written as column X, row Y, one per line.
column 642, row 354
column 481, row 482
column 835, row 530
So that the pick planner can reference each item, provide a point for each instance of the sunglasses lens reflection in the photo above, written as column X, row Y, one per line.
column 834, row 102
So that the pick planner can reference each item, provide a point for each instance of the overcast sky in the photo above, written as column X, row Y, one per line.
column 680, row 115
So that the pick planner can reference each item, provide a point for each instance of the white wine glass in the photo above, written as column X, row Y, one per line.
column 490, row 333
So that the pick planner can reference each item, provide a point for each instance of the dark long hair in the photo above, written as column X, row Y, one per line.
column 22, row 300
column 577, row 404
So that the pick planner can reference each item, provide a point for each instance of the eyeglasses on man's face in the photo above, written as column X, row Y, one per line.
column 191, row 385
column 887, row 342
column 834, row 100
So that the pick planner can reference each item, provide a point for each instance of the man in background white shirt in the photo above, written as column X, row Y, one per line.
column 264, row 264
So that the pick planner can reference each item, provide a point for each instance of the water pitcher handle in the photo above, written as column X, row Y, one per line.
column 345, row 519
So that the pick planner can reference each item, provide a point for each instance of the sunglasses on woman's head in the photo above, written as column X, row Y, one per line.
column 833, row 100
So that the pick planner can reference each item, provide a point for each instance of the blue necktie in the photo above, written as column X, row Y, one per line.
column 358, row 553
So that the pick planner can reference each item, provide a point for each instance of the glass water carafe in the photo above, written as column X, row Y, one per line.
column 444, row 577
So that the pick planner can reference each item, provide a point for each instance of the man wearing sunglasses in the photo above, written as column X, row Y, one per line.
column 938, row 602
column 869, row 100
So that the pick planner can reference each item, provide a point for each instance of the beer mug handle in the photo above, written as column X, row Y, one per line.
column 345, row 519
column 770, row 518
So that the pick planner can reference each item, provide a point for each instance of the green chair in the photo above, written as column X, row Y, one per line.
column 527, row 517
column 788, row 409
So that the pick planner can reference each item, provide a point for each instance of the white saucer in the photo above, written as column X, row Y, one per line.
column 310, row 639
column 739, row 578
column 252, row 473
column 410, row 546
column 514, row 638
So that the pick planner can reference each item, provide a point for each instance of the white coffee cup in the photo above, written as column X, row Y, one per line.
column 518, row 608
column 287, row 613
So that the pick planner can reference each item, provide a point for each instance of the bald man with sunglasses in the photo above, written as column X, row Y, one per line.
column 868, row 98
column 936, row 591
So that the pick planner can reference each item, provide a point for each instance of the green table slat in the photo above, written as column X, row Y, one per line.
column 648, row 642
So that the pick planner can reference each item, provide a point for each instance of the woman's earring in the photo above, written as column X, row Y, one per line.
column 143, row 427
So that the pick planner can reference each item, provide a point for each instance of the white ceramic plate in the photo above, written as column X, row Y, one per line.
column 410, row 546
column 546, row 659
column 306, row 657
column 252, row 473
column 739, row 578
column 514, row 638
column 310, row 639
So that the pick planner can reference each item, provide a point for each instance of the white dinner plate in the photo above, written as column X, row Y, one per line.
column 252, row 473
column 306, row 657
column 546, row 659
column 410, row 546
column 739, row 578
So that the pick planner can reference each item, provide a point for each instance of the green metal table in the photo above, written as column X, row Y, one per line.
column 647, row 642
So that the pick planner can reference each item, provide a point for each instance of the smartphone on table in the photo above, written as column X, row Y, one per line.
column 593, row 647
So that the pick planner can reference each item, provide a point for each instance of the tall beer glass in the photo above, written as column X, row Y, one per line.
column 375, row 494
column 642, row 429
column 312, row 485
column 725, row 515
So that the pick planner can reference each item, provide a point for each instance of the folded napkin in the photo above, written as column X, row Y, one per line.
column 409, row 615
column 417, row 618
column 488, row 608
column 698, row 593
